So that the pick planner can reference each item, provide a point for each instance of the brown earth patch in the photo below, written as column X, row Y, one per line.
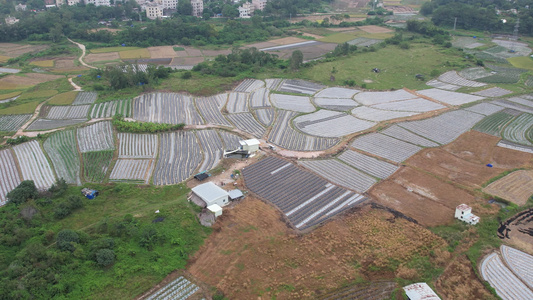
column 28, row 80
column 374, row 29
column 162, row 52
column 342, row 29
column 216, row 52
column 261, row 45
column 95, row 57
column 516, row 187
column 193, row 51
column 14, row 50
column 252, row 253
column 186, row 61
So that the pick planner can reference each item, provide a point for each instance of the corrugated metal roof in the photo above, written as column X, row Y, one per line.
column 209, row 192
column 420, row 291
column 234, row 194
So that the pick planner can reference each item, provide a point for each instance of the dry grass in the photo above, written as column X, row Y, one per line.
column 63, row 99
column 43, row 63
column 515, row 187
column 375, row 29
column 338, row 38
column 26, row 108
column 9, row 95
column 112, row 49
column 37, row 94
column 4, row 58
column 162, row 52
column 133, row 54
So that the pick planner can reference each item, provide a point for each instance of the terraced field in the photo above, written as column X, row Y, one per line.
column 249, row 85
column 237, row 102
column 13, row 122
column 179, row 156
column 514, row 146
column 494, row 123
column 493, row 92
column 247, row 123
column 411, row 105
column 340, row 174
column 169, row 108
column 96, row 164
column 453, row 78
column 513, row 105
column 451, row 98
column 506, row 284
column 299, row 86
column 340, row 104
column 34, row 165
column 68, row 112
column 368, row 164
column 442, row 85
column 259, row 98
column 294, row 103
column 373, row 98
column 63, row 152
column 85, row 98
column 9, row 175
column 337, row 93
column 284, row 136
column 485, row 108
column 405, row 135
column 517, row 130
column 273, row 84
column 265, row 116
column 327, row 123
column 384, row 146
column 519, row 262
column 212, row 149
column 111, row 108
column 96, row 137
column 210, row 108
column 45, row 124
column 524, row 101
column 515, row 187
column 230, row 140
column 136, row 170
column 378, row 115
column 134, row 145
column 178, row 289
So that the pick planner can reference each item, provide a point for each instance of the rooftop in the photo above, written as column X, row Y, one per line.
column 463, row 207
column 209, row 191
column 420, row 291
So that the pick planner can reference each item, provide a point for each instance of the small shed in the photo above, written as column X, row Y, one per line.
column 211, row 194
column 420, row 291
column 201, row 176
column 464, row 213
column 235, row 194
column 215, row 209
column 251, row 145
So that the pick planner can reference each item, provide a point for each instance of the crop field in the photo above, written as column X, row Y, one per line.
column 63, row 98
column 95, row 165
column 134, row 54
column 230, row 140
column 45, row 124
column 167, row 108
column 247, row 123
column 179, row 156
column 514, row 146
column 132, row 170
column 9, row 96
column 68, row 112
column 63, row 152
column 299, row 86
column 179, row 289
column 303, row 197
column 524, row 101
column 237, row 102
column 372, row 98
column 285, row 136
column 259, row 98
column 340, row 104
column 474, row 73
column 34, row 165
column 519, row 262
column 505, row 282
column 519, row 130
column 337, row 93
column 340, row 174
column 112, row 49
column 465, row 42
column 85, row 98
column 368, row 164
column 453, row 78
column 209, row 108
column 385, row 146
column 515, row 187
column 338, row 38
column 513, row 105
column 9, row 175
column 111, row 108
column 503, row 75
column 485, row 108
column 273, row 84
column 493, row 92
column 442, row 85
column 265, row 116
column 414, row 105
column 378, row 115
column 452, row 98
column 212, row 148
column 134, row 145
column 327, row 123
column 96, row 137
column 405, row 135
column 494, row 123
column 294, row 103
column 13, row 122
column 249, row 85
column 444, row 128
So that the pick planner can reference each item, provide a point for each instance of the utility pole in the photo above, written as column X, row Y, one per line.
column 454, row 24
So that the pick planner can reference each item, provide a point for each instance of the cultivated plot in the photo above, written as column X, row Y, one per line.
column 299, row 86
column 9, row 175
column 13, row 122
column 485, row 108
column 170, row 108
column 273, row 84
column 378, row 115
column 230, row 140
column 340, row 174
column 442, row 85
column 68, row 112
column 290, row 102
column 63, row 152
column 265, row 116
column 85, row 98
column 453, row 78
column 237, row 102
column 111, row 108
column 372, row 98
column 519, row 262
column 505, row 282
column 327, row 123
column 181, row 289
column 134, row 145
column 45, row 124
column 493, row 92
column 368, row 164
column 179, row 156
column 405, row 135
column 96, row 137
column 520, row 130
column 444, row 128
column 247, row 123
column 384, row 146
column 451, row 98
column 96, row 164
column 474, row 73
column 259, row 98
column 34, row 165
column 513, row 146
column 341, row 104
column 304, row 198
column 412, row 105
column 132, row 170
column 210, row 108
column 513, row 105
column 515, row 187
column 285, row 136
column 494, row 123
column 337, row 93
column 249, row 85
column 212, row 149
column 522, row 100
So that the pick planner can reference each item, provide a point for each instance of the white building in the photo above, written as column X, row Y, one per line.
column 197, row 7
column 154, row 11
column 168, row 4
column 246, row 10
column 420, row 291
column 463, row 212
column 98, row 2
column 259, row 4
column 11, row 20
column 73, row 2
column 215, row 209
column 20, row 7
column 251, row 145
column 209, row 193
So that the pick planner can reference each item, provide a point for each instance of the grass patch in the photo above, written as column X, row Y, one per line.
column 4, row 58
column 133, row 54
column 64, row 98
column 37, row 94
column 113, row 49
column 9, row 95
column 203, row 85
column 96, row 164
column 338, row 38
column 178, row 48
column 522, row 62
column 26, row 108
column 43, row 63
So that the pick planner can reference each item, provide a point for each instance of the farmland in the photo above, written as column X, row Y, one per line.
column 169, row 108
column 265, row 115
column 517, row 129
column 247, row 123
column 494, row 123
column 259, row 98
column 368, row 164
column 485, row 108
column 294, row 103
column 96, row 137
column 378, row 115
column 514, row 187
column 45, row 124
column 373, row 98
column 63, row 99
column 212, row 149
column 132, row 145
column 340, row 174
column 411, row 105
column 237, row 102
column 95, row 165
column 179, row 156
column 403, row 134
column 342, row 104
column 326, row 123
column 85, row 98
column 68, row 112
column 181, row 288
column 249, row 85
column 62, row 150
column 9, row 175
column 34, row 165
column 299, row 86
column 337, row 93
column 231, row 141
column 134, row 170
column 385, row 146
column 111, row 108
column 12, row 122
column 519, row 262
column 507, row 285
column 209, row 108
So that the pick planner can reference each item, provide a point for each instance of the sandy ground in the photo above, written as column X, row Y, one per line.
column 162, row 52
column 375, row 29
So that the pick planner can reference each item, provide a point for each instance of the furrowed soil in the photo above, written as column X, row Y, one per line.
column 516, row 187
column 252, row 253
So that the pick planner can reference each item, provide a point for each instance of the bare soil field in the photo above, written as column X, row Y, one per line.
column 216, row 52
column 30, row 79
column 261, row 45
column 162, row 52
column 309, row 52
column 252, row 253
column 95, row 57
column 112, row 30
column 516, row 187
column 14, row 50
column 192, row 51
column 186, row 61
column 518, row 230
column 287, row 41
column 375, row 29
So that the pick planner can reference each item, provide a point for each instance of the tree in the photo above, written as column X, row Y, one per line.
column 230, row 11
column 296, row 60
column 66, row 239
column 105, row 257
column 184, row 8
column 24, row 191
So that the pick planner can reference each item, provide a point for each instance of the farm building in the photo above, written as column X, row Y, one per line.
column 208, row 194
column 251, row 145
column 235, row 194
column 215, row 209
column 420, row 291
column 463, row 212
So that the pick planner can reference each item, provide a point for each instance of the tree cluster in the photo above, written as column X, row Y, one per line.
column 143, row 127
column 237, row 62
column 130, row 75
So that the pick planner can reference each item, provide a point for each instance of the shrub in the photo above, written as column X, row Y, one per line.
column 149, row 237
column 105, row 257
column 186, row 75
column 58, row 188
column 66, row 240
column 62, row 210
column 75, row 202
column 24, row 191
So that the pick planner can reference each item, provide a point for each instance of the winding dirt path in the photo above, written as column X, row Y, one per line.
column 82, row 47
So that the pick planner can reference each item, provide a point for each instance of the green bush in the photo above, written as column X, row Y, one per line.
column 24, row 191
column 62, row 210
column 105, row 257
column 75, row 202
column 143, row 127
column 66, row 240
